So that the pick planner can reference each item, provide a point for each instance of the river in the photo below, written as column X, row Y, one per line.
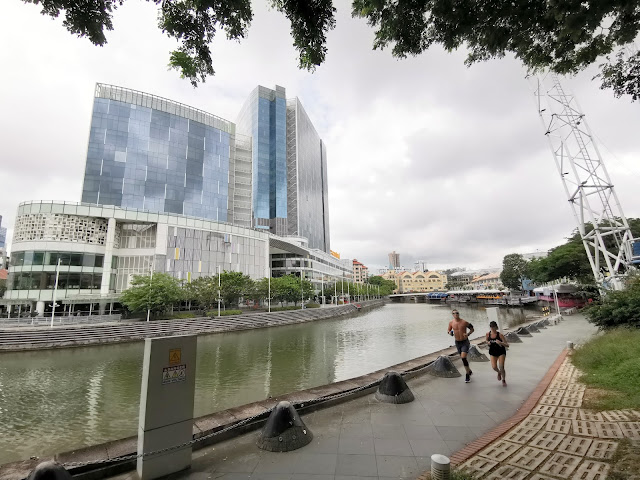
column 58, row 400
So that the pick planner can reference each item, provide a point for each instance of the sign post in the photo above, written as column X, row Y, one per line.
column 166, row 405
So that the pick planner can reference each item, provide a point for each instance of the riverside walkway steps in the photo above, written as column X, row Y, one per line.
column 73, row 336
column 363, row 438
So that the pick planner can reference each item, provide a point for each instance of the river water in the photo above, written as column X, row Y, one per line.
column 58, row 400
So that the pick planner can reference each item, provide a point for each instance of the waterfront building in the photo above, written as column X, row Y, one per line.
column 289, row 178
column 487, row 281
column 95, row 250
column 360, row 272
column 417, row 282
column 394, row 260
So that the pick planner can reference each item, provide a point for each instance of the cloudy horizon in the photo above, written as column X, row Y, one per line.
column 426, row 157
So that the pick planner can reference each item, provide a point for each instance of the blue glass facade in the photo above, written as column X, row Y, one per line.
column 147, row 158
column 263, row 117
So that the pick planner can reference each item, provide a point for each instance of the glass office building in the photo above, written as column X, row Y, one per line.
column 290, row 195
column 263, row 117
column 150, row 153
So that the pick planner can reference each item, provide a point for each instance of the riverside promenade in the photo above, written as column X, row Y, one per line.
column 365, row 439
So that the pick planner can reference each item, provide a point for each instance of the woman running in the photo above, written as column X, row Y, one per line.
column 498, row 351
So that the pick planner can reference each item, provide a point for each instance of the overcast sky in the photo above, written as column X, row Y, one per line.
column 426, row 157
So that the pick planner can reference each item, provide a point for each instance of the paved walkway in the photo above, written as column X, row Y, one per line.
column 558, row 438
column 366, row 439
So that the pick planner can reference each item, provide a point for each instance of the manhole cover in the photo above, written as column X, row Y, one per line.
column 592, row 470
column 630, row 429
column 521, row 434
column 584, row 428
column 566, row 412
column 529, row 457
column 590, row 416
column 544, row 410
column 547, row 400
column 548, row 440
column 603, row 449
column 561, row 465
column 558, row 425
column 534, row 421
column 509, row 472
column 615, row 416
column 575, row 445
column 499, row 450
column 479, row 465
column 608, row 430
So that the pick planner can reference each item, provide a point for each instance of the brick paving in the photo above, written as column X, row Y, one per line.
column 556, row 439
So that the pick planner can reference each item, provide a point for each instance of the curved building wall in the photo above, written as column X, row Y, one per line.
column 149, row 153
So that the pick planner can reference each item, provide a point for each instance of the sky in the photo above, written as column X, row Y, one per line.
column 426, row 157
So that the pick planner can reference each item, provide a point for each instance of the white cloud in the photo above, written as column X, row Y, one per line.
column 427, row 157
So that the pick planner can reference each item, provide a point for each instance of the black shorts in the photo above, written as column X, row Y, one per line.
column 497, row 350
column 463, row 346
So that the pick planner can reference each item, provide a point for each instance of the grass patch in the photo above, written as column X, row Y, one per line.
column 282, row 309
column 176, row 316
column 224, row 313
column 611, row 363
column 625, row 464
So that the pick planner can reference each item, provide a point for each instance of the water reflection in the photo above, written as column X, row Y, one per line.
column 53, row 401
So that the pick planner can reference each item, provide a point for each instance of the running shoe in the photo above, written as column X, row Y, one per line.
column 467, row 378
column 499, row 376
column 504, row 383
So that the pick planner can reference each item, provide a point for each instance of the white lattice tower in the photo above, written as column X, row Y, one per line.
column 586, row 181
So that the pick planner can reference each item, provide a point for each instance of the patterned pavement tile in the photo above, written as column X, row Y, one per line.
column 500, row 450
column 548, row 400
column 478, row 465
column 573, row 401
column 630, row 429
column 534, row 421
column 584, row 428
column 528, row 457
column 615, row 416
column 561, row 465
column 609, row 430
column 575, row 445
column 543, row 410
column 538, row 476
column 554, row 392
column 548, row 440
column 590, row 416
column 602, row 449
column 558, row 425
column 592, row 470
column 521, row 435
column 509, row 472
column 566, row 412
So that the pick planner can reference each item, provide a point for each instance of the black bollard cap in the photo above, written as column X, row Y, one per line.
column 393, row 389
column 476, row 355
column 49, row 471
column 284, row 430
column 512, row 337
column 443, row 367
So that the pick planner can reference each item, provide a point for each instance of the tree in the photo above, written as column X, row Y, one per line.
column 564, row 36
column 617, row 308
column 204, row 291
column 513, row 271
column 234, row 285
column 386, row 286
column 157, row 294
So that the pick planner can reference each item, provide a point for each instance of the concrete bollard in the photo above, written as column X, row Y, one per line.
column 49, row 471
column 440, row 467
column 524, row 332
column 476, row 355
column 284, row 431
column 512, row 337
column 393, row 389
column 569, row 345
column 443, row 367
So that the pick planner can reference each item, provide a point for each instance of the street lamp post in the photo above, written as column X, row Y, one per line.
column 55, row 290
column 150, row 292
column 219, row 289
column 269, row 295
column 301, row 288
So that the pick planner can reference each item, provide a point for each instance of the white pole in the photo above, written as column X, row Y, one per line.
column 219, row 292
column 269, row 296
column 335, row 292
column 150, row 291
column 301, row 289
column 322, row 280
column 555, row 296
column 342, row 294
column 55, row 290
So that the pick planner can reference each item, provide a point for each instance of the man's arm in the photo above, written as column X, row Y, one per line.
column 450, row 329
column 470, row 327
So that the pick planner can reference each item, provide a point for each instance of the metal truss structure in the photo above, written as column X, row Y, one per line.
column 602, row 225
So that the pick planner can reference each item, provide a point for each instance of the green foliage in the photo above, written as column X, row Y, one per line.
column 513, row 271
column 622, row 75
column 203, row 291
column 224, row 313
column 290, row 288
column 282, row 309
column 178, row 315
column 617, row 308
column 3, row 287
column 565, row 37
column 312, row 305
column 386, row 286
column 568, row 260
column 233, row 286
column 609, row 362
column 157, row 294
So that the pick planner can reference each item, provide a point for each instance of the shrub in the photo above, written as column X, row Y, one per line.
column 282, row 309
column 177, row 315
column 224, row 313
column 617, row 308
column 312, row 305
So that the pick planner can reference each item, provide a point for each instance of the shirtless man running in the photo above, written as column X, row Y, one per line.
column 458, row 328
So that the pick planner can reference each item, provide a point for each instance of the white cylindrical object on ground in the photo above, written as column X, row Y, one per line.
column 570, row 345
column 440, row 467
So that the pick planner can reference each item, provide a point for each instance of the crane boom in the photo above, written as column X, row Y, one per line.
column 590, row 192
